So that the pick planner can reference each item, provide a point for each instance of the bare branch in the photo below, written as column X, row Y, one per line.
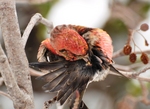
column 120, row 53
column 35, row 19
column 128, row 67
column 131, row 75
column 9, row 78
column 5, row 94
column 1, row 81
column 147, row 67
column 18, row 69
column 33, row 1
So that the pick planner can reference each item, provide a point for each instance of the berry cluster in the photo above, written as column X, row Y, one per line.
column 127, row 50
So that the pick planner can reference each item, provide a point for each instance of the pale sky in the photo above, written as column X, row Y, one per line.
column 92, row 13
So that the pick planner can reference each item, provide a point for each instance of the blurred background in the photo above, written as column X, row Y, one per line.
column 115, row 17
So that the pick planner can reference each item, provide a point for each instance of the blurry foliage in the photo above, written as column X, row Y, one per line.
column 145, row 9
column 139, row 7
column 115, row 26
column 133, row 89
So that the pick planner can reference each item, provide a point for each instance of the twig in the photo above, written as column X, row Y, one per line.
column 35, row 19
column 147, row 67
column 32, row 1
column 120, row 53
column 5, row 94
column 128, row 67
column 131, row 75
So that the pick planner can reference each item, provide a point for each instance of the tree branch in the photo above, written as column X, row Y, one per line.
column 9, row 79
column 33, row 1
column 120, row 53
column 35, row 19
column 5, row 94
column 1, row 81
column 19, row 68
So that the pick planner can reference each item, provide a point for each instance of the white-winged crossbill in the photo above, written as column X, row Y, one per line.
column 73, row 57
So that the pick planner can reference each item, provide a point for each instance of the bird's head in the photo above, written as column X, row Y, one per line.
column 66, row 42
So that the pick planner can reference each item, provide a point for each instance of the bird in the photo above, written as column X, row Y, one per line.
column 73, row 57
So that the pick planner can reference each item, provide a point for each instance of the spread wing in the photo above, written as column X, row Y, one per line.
column 65, row 77
column 70, row 78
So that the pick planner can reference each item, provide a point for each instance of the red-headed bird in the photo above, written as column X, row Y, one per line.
column 73, row 57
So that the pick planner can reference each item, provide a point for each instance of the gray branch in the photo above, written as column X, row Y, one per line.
column 17, row 79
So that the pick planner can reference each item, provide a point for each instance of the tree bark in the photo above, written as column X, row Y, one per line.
column 16, row 56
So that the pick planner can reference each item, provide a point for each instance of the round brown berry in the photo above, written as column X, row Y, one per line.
column 132, row 57
column 127, row 49
column 144, row 27
column 144, row 58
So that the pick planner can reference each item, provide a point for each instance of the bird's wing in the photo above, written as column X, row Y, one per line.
column 65, row 77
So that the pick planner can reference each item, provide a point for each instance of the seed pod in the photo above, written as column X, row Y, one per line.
column 127, row 49
column 144, row 58
column 144, row 27
column 146, row 43
column 132, row 57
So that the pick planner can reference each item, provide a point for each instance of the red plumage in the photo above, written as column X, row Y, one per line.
column 73, row 57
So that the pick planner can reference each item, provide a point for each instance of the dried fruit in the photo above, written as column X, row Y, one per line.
column 127, row 49
column 146, row 43
column 132, row 57
column 144, row 27
column 144, row 58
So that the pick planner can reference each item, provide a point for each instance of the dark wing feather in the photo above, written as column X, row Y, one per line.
column 51, row 84
column 60, row 84
column 78, row 77
column 104, row 60
column 52, row 75
column 67, row 78
column 70, row 78
column 50, row 66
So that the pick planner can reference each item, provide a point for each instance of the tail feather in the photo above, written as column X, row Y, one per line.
column 112, row 68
